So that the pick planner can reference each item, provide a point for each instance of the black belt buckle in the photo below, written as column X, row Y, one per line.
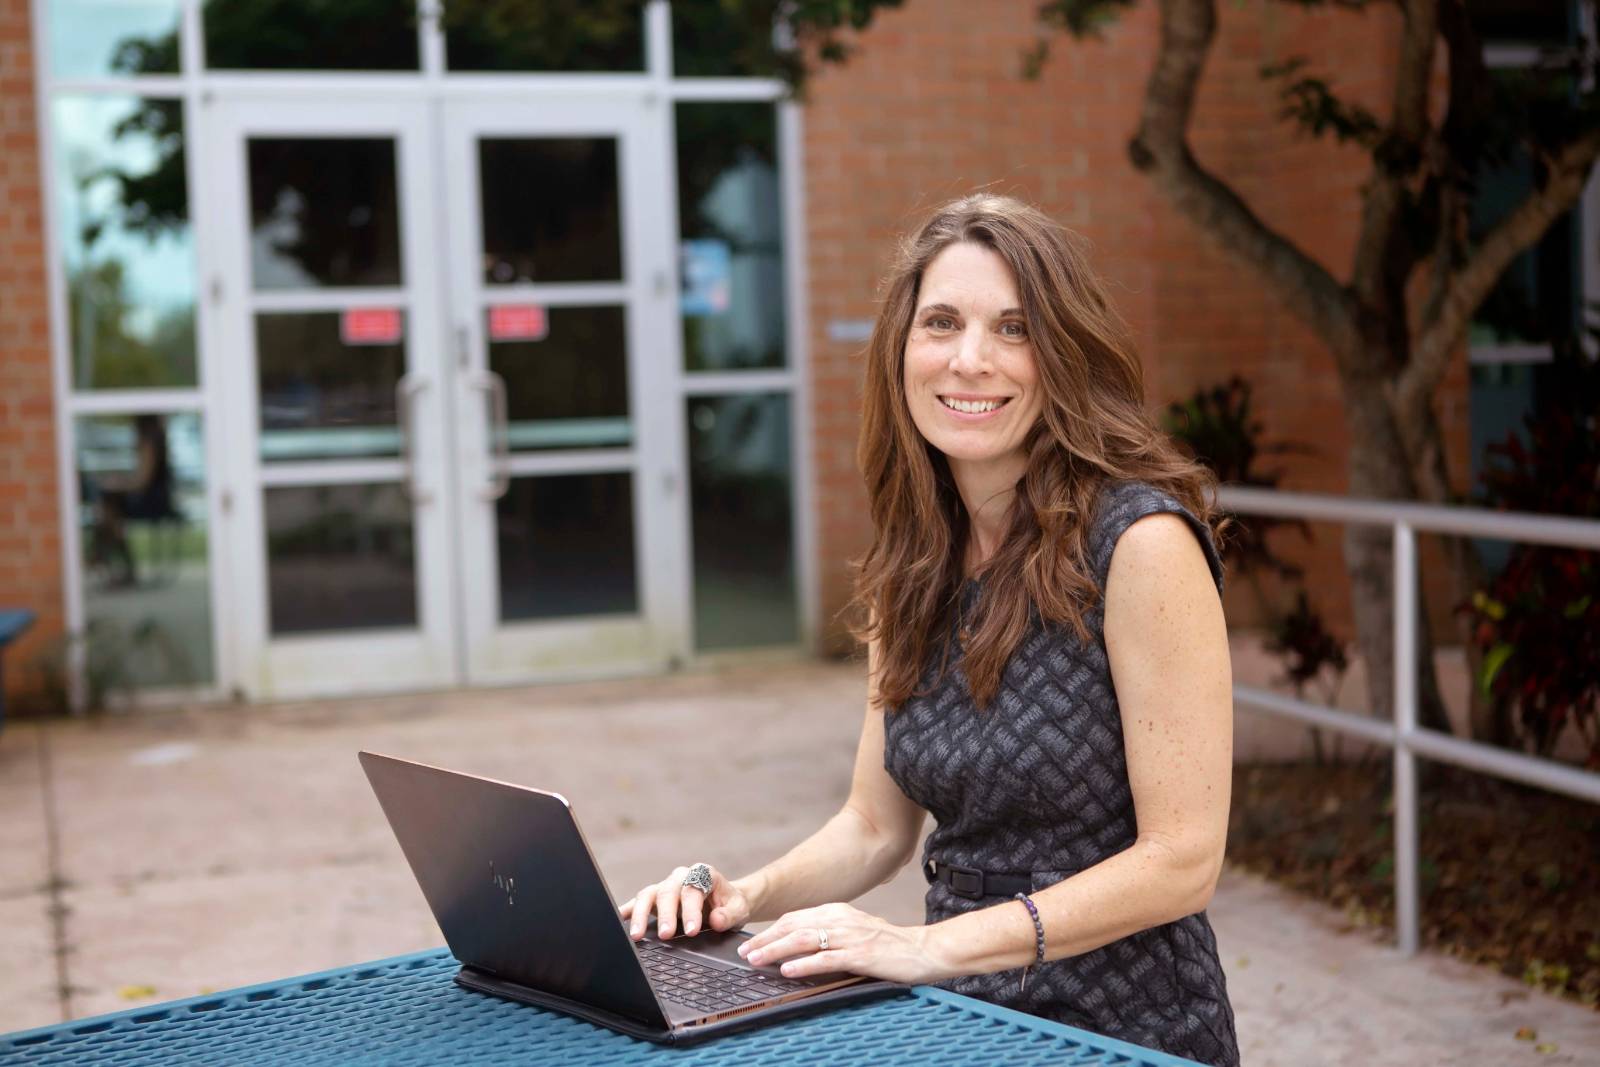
column 964, row 881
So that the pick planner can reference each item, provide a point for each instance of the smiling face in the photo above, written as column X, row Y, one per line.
column 971, row 382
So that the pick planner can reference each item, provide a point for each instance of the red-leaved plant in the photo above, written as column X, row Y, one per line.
column 1538, row 620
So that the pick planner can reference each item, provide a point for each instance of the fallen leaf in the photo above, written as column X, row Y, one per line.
column 1242, row 962
column 1527, row 1033
column 136, row 992
column 1545, row 1047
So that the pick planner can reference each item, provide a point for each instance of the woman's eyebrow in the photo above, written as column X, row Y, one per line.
column 1007, row 313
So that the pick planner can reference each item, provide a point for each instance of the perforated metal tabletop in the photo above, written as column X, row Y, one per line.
column 407, row 1010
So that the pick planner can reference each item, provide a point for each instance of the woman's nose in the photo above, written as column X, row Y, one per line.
column 971, row 356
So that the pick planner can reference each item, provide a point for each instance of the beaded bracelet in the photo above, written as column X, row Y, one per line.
column 1038, row 945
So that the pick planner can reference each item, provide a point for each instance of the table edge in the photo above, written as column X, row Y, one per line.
column 1146, row 1057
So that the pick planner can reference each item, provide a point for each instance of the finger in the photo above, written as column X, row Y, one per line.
column 782, row 927
column 625, row 909
column 800, row 942
column 693, row 906
column 667, row 906
column 641, row 911
column 726, row 916
column 814, row 964
column 764, row 938
column 728, row 906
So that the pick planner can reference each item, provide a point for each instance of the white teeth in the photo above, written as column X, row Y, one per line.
column 970, row 407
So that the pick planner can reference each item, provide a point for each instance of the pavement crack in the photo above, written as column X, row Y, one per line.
column 54, row 883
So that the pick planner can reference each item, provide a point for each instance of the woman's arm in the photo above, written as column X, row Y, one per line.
column 864, row 845
column 1168, row 651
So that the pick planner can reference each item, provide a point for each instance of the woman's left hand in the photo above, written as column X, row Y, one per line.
column 857, row 943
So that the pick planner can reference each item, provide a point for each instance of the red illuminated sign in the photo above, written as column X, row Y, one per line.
column 518, row 322
column 371, row 326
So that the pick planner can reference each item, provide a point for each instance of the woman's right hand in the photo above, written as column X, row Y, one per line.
column 668, row 898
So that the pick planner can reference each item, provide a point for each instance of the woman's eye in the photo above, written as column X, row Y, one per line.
column 941, row 323
column 1014, row 329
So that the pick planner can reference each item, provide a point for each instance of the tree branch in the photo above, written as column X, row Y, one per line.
column 1454, row 155
column 1159, row 149
column 1373, row 277
column 1568, row 171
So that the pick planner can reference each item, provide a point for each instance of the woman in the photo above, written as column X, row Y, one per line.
column 1047, row 666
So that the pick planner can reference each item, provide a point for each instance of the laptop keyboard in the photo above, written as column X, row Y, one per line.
column 682, row 978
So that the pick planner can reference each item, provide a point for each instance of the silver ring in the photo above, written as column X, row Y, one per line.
column 822, row 940
column 699, row 877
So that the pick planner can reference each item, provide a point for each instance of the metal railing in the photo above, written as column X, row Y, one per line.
column 1403, row 735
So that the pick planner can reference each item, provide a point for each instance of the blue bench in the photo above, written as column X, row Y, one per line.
column 12, row 624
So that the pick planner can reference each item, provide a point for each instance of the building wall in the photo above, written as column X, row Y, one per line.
column 931, row 107
column 30, row 538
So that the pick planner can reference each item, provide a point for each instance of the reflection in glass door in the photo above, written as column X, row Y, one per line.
column 562, row 300
column 334, row 386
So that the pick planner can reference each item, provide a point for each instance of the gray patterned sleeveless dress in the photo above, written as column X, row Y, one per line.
column 1038, row 784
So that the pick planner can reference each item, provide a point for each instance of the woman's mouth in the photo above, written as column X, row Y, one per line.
column 974, row 405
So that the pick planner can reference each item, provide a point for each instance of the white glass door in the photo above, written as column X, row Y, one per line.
column 333, row 381
column 564, row 324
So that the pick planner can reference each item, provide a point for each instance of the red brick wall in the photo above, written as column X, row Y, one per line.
column 30, row 539
column 931, row 107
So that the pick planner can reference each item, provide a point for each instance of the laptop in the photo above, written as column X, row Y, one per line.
column 525, row 909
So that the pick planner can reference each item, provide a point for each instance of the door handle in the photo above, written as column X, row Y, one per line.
column 494, row 386
column 406, row 391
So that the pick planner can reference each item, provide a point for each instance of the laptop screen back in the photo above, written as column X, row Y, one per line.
column 512, row 884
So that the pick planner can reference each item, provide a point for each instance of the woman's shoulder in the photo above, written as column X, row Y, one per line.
column 1119, row 504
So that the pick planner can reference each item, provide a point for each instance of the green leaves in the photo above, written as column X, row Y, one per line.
column 1310, row 103
column 1492, row 662
column 1082, row 19
column 1488, row 606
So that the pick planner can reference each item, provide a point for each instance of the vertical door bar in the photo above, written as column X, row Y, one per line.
column 1405, row 722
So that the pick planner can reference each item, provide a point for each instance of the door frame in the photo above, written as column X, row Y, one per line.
column 354, row 661
column 658, row 635
column 200, row 88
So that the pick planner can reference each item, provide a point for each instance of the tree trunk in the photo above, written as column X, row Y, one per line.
column 1486, row 721
column 1379, row 470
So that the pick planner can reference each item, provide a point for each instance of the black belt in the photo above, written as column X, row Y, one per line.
column 974, row 884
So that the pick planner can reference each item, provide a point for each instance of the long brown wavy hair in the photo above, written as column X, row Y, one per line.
column 1093, row 428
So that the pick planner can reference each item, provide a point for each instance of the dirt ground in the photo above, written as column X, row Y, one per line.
column 1510, row 875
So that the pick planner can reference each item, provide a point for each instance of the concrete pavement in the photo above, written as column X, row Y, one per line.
column 170, row 853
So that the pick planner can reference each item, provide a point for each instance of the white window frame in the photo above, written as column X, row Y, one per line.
column 1512, row 56
column 191, row 85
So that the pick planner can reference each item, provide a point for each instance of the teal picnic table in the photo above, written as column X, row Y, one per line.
column 12, row 625
column 407, row 1010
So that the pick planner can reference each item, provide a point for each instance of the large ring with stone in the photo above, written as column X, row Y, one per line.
column 699, row 876
column 822, row 940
